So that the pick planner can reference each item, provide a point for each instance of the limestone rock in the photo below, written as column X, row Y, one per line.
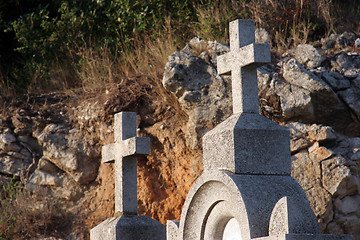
column 47, row 166
column 295, row 101
column 43, row 178
column 320, row 200
column 262, row 36
column 64, row 147
column 322, row 96
column 309, row 56
column 335, row 80
column 339, row 40
column 346, row 64
column 202, row 93
column 13, row 165
column 347, row 205
column 305, row 170
column 334, row 172
column 321, row 133
column 319, row 153
column 302, row 135
column 352, row 97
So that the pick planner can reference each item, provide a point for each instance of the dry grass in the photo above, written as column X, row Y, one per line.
column 25, row 215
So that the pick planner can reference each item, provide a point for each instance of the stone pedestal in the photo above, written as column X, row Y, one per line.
column 124, row 152
column 246, row 191
column 129, row 227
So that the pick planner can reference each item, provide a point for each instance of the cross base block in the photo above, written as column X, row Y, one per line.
column 307, row 237
column 129, row 228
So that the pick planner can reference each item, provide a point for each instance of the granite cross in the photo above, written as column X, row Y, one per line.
column 124, row 152
column 242, row 60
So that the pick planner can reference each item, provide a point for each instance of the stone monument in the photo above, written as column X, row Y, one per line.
column 127, row 147
column 246, row 191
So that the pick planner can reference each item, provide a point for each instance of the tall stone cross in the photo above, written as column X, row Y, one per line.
column 124, row 152
column 242, row 60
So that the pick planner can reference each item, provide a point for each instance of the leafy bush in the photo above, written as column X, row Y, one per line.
column 50, row 34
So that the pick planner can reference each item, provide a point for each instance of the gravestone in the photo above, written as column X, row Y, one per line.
column 124, row 152
column 246, row 191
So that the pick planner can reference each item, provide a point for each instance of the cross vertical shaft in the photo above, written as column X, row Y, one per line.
column 242, row 61
column 124, row 152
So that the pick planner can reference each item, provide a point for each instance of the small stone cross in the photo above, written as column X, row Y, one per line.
column 124, row 152
column 242, row 60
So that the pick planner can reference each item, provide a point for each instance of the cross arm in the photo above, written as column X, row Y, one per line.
column 224, row 63
column 132, row 147
column 257, row 54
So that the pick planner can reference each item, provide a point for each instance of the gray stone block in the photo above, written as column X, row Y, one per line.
column 242, row 60
column 219, row 196
column 172, row 230
column 308, row 237
column 129, row 228
column 291, row 216
column 248, row 144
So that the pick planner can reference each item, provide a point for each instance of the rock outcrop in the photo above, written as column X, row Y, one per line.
column 314, row 94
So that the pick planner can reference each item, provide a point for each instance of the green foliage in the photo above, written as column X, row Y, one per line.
column 36, row 36
column 57, row 31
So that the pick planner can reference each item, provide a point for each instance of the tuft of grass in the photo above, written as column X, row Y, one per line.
column 96, row 69
column 25, row 215
column 93, row 68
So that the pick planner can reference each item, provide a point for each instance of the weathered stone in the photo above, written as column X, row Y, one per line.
column 339, row 41
column 298, row 134
column 262, row 36
column 321, row 133
column 43, row 178
column 305, row 170
column 295, row 101
column 352, row 97
column 22, row 124
column 64, row 147
column 318, row 153
column 247, row 143
column 292, row 216
column 201, row 92
column 307, row 55
column 346, row 39
column 47, row 166
column 349, row 204
column 357, row 43
column 349, row 186
column 7, row 138
column 330, row 41
column 346, row 64
column 124, row 152
column 349, row 224
column 128, row 228
column 297, row 75
column 13, row 166
column 335, row 80
column 322, row 96
column 333, row 173
column 320, row 200
column 10, row 147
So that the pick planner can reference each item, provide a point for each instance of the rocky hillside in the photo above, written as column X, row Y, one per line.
column 52, row 143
